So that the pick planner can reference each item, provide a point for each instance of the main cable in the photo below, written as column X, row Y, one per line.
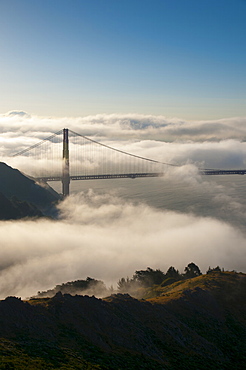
column 37, row 144
column 121, row 151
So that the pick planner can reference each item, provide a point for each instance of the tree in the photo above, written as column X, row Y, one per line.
column 149, row 277
column 191, row 271
column 217, row 268
column 124, row 285
column 173, row 273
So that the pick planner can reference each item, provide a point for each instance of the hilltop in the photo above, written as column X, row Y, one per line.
column 198, row 323
column 22, row 196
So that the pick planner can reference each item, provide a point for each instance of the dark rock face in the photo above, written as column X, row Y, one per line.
column 18, row 189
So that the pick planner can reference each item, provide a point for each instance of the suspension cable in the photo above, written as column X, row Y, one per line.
column 37, row 144
column 121, row 151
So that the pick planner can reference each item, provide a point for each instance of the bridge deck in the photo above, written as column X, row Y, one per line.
column 102, row 177
column 136, row 175
column 222, row 172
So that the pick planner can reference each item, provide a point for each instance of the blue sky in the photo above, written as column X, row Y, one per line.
column 177, row 58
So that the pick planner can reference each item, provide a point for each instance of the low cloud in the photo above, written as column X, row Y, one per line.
column 105, row 238
column 129, row 126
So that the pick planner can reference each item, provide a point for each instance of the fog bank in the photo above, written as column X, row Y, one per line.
column 105, row 238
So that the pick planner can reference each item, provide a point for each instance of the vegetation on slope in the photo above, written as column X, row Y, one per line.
column 196, row 323
column 89, row 286
column 149, row 281
column 139, row 286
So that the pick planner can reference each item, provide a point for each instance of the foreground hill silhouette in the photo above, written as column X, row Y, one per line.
column 15, row 188
column 198, row 323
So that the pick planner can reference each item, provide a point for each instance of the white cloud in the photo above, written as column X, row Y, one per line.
column 102, row 237
column 130, row 126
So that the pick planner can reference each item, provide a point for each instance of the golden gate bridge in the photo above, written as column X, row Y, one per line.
column 86, row 159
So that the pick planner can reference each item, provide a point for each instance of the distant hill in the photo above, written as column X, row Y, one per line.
column 195, row 324
column 14, row 184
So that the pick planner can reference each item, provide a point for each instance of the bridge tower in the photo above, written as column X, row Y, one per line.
column 65, row 169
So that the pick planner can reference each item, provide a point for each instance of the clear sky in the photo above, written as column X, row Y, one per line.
column 183, row 58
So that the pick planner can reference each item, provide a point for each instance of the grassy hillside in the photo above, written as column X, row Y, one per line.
column 194, row 324
column 226, row 285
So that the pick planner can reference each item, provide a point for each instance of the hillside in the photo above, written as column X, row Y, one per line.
column 197, row 324
column 14, row 184
column 14, row 209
